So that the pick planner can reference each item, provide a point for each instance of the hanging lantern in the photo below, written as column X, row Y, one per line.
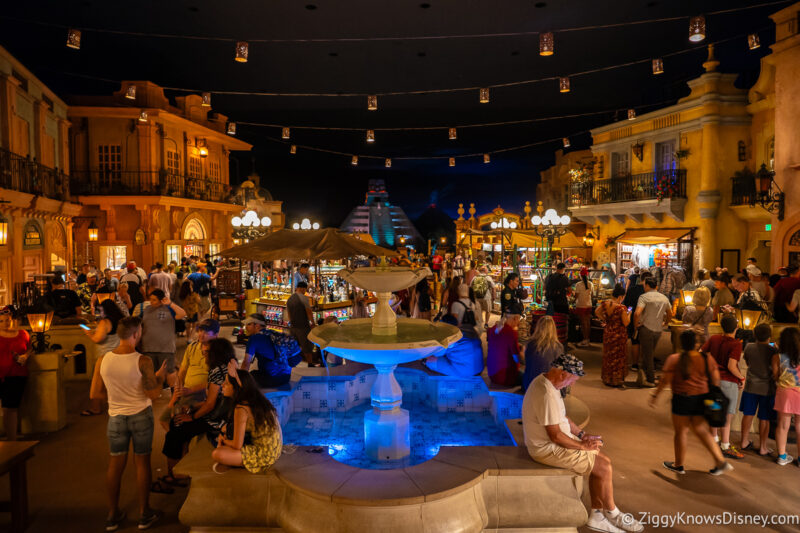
column 565, row 141
column 130, row 92
column 3, row 231
column 354, row 161
column 93, row 230
column 293, row 149
column 452, row 134
column 546, row 44
column 484, row 95
column 563, row 84
column 697, row 28
column 753, row 41
column 370, row 136
column 202, row 147
column 285, row 133
column 486, row 158
column 74, row 39
column 231, row 128
column 388, row 163
column 206, row 100
column 372, row 102
column 242, row 51
column 452, row 161
column 631, row 114
column 143, row 116
column 658, row 66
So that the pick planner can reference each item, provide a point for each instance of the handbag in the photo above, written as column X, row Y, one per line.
column 715, row 403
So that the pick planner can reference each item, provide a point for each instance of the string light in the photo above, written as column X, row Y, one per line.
column 206, row 100
column 143, row 116
column 231, row 128
column 130, row 92
column 565, row 142
column 658, row 66
column 753, row 41
column 285, row 133
column 354, row 160
column 486, row 158
column 546, row 44
column 452, row 161
column 242, row 51
column 563, row 84
column 293, row 149
column 370, row 136
column 451, row 133
column 697, row 28
column 372, row 102
column 388, row 162
column 484, row 95
column 631, row 114
column 74, row 38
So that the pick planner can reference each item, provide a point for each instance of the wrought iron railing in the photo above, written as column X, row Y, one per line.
column 23, row 174
column 658, row 185
column 147, row 183
column 743, row 190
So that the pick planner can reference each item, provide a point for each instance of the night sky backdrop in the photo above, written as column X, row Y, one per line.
column 325, row 187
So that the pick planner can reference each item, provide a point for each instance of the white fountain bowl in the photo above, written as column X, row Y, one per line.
column 383, row 278
column 354, row 340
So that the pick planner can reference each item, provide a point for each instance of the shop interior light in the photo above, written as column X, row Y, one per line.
column 74, row 39
column 130, row 92
column 372, row 102
column 484, row 95
column 242, row 51
column 546, row 44
column 697, row 28
column 206, row 102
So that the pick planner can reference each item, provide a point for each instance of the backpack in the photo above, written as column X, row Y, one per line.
column 480, row 286
column 469, row 315
column 204, row 289
column 135, row 289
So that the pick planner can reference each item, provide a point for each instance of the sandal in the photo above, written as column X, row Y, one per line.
column 160, row 487
column 87, row 412
column 181, row 482
column 749, row 447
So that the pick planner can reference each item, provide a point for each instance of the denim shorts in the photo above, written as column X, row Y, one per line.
column 124, row 428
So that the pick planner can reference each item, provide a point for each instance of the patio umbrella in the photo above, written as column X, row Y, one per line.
column 295, row 245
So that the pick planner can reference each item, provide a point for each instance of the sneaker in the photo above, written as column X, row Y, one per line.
column 149, row 518
column 732, row 452
column 112, row 524
column 669, row 465
column 784, row 459
column 625, row 521
column 719, row 470
column 599, row 522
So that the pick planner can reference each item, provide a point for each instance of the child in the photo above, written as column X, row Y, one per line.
column 759, row 388
column 786, row 370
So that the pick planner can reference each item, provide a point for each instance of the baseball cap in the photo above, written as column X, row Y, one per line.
column 255, row 318
column 209, row 325
column 569, row 363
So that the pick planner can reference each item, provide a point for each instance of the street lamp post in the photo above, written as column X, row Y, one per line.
column 249, row 226
column 549, row 227
column 305, row 224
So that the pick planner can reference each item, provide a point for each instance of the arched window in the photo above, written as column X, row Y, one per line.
column 32, row 235
column 194, row 231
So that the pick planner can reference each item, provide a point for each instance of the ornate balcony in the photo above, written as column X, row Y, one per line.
column 652, row 195
column 23, row 174
column 147, row 183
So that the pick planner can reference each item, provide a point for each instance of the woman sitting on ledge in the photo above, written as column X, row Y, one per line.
column 253, row 439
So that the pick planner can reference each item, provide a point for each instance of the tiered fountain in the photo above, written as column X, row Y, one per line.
column 385, row 341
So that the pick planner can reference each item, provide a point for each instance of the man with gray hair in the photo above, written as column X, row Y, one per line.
column 553, row 439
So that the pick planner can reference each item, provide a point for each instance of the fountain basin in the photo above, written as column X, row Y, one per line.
column 384, row 278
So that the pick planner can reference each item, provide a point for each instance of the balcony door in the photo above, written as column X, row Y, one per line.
column 664, row 156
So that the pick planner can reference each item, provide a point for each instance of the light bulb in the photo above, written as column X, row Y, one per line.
column 565, row 220
column 494, row 225
column 315, row 225
column 236, row 222
column 536, row 220
column 555, row 221
column 266, row 222
column 255, row 222
column 550, row 213
column 513, row 225
column 604, row 281
column 687, row 299
column 295, row 226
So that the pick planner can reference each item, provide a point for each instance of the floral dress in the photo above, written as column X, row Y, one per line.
column 264, row 449
column 615, row 346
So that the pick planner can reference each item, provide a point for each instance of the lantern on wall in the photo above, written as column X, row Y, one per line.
column 658, row 66
column 486, row 158
column 546, row 44
column 753, row 41
column 563, row 84
column 206, row 100
column 370, row 136
column 484, row 95
column 242, row 51
column 372, row 102
column 93, row 230
column 388, row 163
column 74, row 39
column 130, row 92
column 631, row 114
column 202, row 146
column 3, row 231
column 588, row 240
column 285, row 133
column 231, row 128
column 451, row 133
column 452, row 161
column 697, row 28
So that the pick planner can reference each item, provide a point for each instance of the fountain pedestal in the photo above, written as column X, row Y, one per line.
column 386, row 427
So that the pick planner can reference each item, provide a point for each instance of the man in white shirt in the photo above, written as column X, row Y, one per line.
column 652, row 311
column 555, row 440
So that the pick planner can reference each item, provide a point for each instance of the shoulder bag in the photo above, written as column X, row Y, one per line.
column 715, row 403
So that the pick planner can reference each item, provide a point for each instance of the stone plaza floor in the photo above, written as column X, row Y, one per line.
column 66, row 477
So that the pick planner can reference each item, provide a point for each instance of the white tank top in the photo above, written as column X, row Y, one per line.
column 123, row 381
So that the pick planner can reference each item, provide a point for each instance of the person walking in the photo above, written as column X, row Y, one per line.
column 484, row 291
column 15, row 350
column 616, row 318
column 583, row 306
column 652, row 311
column 158, row 326
column 689, row 374
column 301, row 320
column 786, row 369
column 759, row 388
column 541, row 350
column 126, row 379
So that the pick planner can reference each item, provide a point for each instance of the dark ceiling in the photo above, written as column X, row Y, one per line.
column 325, row 186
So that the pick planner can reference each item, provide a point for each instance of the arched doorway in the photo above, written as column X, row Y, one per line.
column 57, row 244
column 194, row 235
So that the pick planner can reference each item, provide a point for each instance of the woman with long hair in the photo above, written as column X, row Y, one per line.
column 105, row 338
column 190, row 302
column 421, row 300
column 256, row 440
column 541, row 350
column 687, row 373
column 583, row 306
column 786, row 369
column 616, row 318
column 15, row 349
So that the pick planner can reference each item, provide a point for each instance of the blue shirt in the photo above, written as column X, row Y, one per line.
column 271, row 360
column 198, row 279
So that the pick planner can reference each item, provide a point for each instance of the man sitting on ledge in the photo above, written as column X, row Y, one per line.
column 555, row 440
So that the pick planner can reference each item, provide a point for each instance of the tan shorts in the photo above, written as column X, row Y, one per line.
column 579, row 461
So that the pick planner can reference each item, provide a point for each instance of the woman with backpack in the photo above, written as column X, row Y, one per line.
column 690, row 375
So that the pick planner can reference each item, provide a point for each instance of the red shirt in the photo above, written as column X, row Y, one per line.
column 437, row 262
column 10, row 347
column 722, row 349
column 503, row 346
column 784, row 290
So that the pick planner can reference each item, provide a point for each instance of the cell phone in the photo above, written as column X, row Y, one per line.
column 630, row 309
column 84, row 326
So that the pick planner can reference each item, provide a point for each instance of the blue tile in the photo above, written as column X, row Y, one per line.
column 323, row 403
column 306, row 395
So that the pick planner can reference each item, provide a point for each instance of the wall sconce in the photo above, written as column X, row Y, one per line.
column 770, row 196
column 638, row 150
column 589, row 239
column 93, row 230
column 202, row 147
column 143, row 116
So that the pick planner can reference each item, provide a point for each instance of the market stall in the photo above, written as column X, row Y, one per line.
column 657, row 247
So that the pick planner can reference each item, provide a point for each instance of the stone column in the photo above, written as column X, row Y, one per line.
column 709, row 196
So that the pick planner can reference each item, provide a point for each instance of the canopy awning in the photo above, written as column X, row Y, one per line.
column 653, row 236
